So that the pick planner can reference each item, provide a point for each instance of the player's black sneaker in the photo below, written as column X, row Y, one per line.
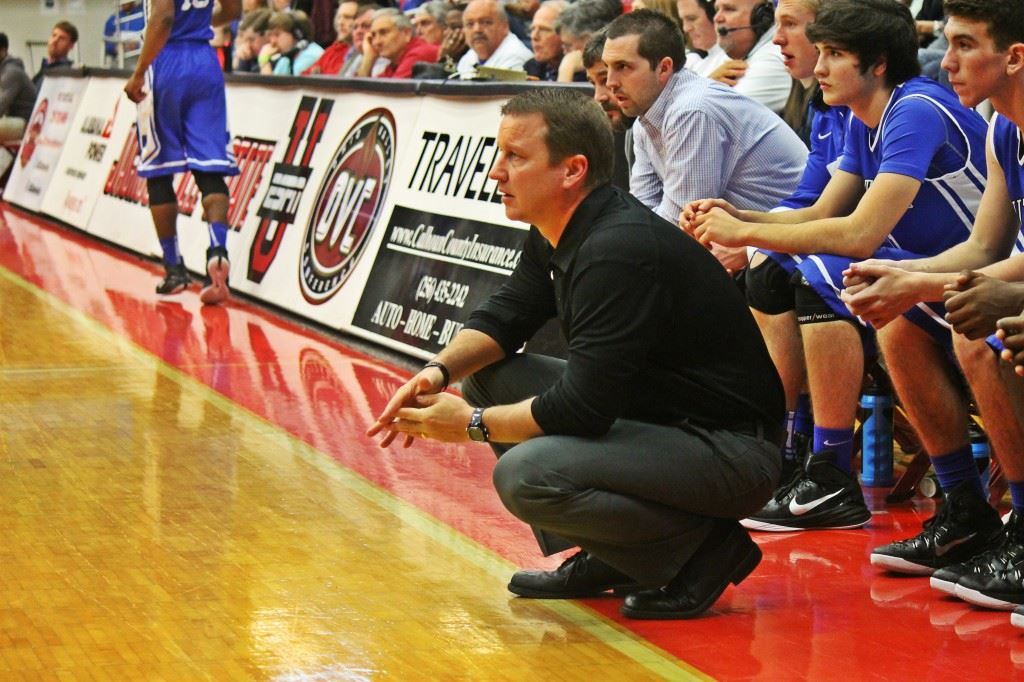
column 175, row 281
column 1007, row 551
column 820, row 496
column 217, row 267
column 1003, row 590
column 965, row 526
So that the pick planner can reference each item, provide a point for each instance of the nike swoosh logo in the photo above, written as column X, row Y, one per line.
column 797, row 509
column 825, row 136
column 828, row 444
column 942, row 549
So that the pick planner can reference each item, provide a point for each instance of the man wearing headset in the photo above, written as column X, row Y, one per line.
column 745, row 57
column 179, row 87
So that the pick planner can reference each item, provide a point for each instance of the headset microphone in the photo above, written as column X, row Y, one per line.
column 723, row 31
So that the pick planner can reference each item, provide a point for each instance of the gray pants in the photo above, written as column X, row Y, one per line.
column 641, row 498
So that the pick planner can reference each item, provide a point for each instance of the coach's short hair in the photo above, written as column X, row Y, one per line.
column 1003, row 18
column 873, row 30
column 660, row 37
column 576, row 125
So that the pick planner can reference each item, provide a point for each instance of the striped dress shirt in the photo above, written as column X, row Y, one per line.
column 700, row 139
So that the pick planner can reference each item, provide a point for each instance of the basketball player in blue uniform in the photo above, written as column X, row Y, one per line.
column 182, row 125
column 768, row 284
column 981, row 282
column 909, row 180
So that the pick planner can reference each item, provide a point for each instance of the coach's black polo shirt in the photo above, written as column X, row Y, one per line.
column 657, row 331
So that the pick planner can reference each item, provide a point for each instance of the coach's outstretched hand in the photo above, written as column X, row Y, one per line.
column 428, row 381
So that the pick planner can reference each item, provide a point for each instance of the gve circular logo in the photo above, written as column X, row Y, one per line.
column 348, row 205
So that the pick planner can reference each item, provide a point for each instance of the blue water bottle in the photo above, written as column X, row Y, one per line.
column 980, row 450
column 876, row 451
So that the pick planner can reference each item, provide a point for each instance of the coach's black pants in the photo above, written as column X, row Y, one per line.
column 641, row 497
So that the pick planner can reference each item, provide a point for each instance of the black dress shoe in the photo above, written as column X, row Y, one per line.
column 581, row 575
column 727, row 556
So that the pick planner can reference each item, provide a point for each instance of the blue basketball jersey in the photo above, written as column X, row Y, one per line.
column 925, row 133
column 182, row 123
column 828, row 136
column 1009, row 151
column 192, row 21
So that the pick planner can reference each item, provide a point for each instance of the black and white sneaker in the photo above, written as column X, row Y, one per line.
column 1003, row 590
column 1006, row 553
column 964, row 527
column 1017, row 617
column 820, row 496
column 176, row 280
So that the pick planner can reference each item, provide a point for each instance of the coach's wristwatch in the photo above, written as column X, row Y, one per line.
column 477, row 430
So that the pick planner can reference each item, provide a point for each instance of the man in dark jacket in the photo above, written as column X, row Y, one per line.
column 17, row 95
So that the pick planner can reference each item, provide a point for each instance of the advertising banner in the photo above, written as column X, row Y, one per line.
column 101, row 123
column 368, row 212
column 45, row 136
column 447, row 244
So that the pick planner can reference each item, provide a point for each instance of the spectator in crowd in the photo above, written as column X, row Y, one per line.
column 428, row 20
column 361, row 45
column 547, row 44
column 908, row 184
column 745, row 56
column 597, row 74
column 333, row 57
column 771, row 271
column 698, row 19
column 252, row 36
column 965, row 548
column 490, row 42
column 453, row 46
column 122, row 33
column 17, row 94
column 253, row 5
column 666, row 7
column 651, row 439
column 62, row 40
column 290, row 50
column 693, row 135
column 392, row 37
column 577, row 24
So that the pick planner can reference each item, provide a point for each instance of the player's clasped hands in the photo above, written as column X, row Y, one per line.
column 712, row 220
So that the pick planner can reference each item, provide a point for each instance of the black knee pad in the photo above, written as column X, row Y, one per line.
column 812, row 308
column 770, row 289
column 161, row 190
column 210, row 183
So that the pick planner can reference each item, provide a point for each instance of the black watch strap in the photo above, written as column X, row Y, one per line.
column 476, row 429
column 445, row 374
